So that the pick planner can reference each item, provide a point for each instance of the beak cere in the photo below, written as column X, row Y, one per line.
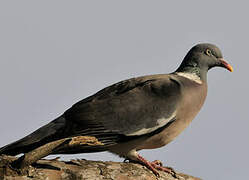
column 226, row 65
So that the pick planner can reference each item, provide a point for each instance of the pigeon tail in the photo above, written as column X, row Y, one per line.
column 40, row 137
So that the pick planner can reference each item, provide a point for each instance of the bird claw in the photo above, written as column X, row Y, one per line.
column 156, row 165
column 164, row 169
column 157, row 162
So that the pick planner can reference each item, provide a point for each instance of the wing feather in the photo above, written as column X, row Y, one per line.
column 133, row 107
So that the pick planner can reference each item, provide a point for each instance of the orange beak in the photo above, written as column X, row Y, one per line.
column 226, row 65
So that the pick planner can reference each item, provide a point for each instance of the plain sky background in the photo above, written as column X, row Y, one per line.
column 55, row 53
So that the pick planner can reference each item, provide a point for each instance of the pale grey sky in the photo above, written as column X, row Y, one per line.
column 55, row 53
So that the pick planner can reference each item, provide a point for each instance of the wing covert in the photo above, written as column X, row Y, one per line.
column 133, row 107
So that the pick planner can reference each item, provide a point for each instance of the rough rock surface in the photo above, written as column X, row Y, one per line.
column 82, row 169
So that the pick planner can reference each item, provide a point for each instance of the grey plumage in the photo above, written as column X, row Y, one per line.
column 139, row 113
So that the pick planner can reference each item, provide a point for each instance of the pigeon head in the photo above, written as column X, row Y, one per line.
column 201, row 58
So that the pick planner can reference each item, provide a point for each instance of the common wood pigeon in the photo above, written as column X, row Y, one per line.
column 139, row 113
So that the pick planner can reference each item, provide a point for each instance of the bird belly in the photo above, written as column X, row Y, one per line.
column 164, row 137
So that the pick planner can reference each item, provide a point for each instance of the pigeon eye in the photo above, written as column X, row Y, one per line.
column 208, row 52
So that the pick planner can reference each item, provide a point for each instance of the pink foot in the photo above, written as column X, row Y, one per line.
column 156, row 165
column 157, row 162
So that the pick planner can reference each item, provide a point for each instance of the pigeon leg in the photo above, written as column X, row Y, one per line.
column 148, row 164
column 159, row 166
column 156, row 165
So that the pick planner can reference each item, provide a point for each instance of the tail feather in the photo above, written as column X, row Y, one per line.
column 43, row 135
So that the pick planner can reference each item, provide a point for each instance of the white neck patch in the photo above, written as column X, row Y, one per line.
column 191, row 76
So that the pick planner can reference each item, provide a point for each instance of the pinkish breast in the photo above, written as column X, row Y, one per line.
column 193, row 97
